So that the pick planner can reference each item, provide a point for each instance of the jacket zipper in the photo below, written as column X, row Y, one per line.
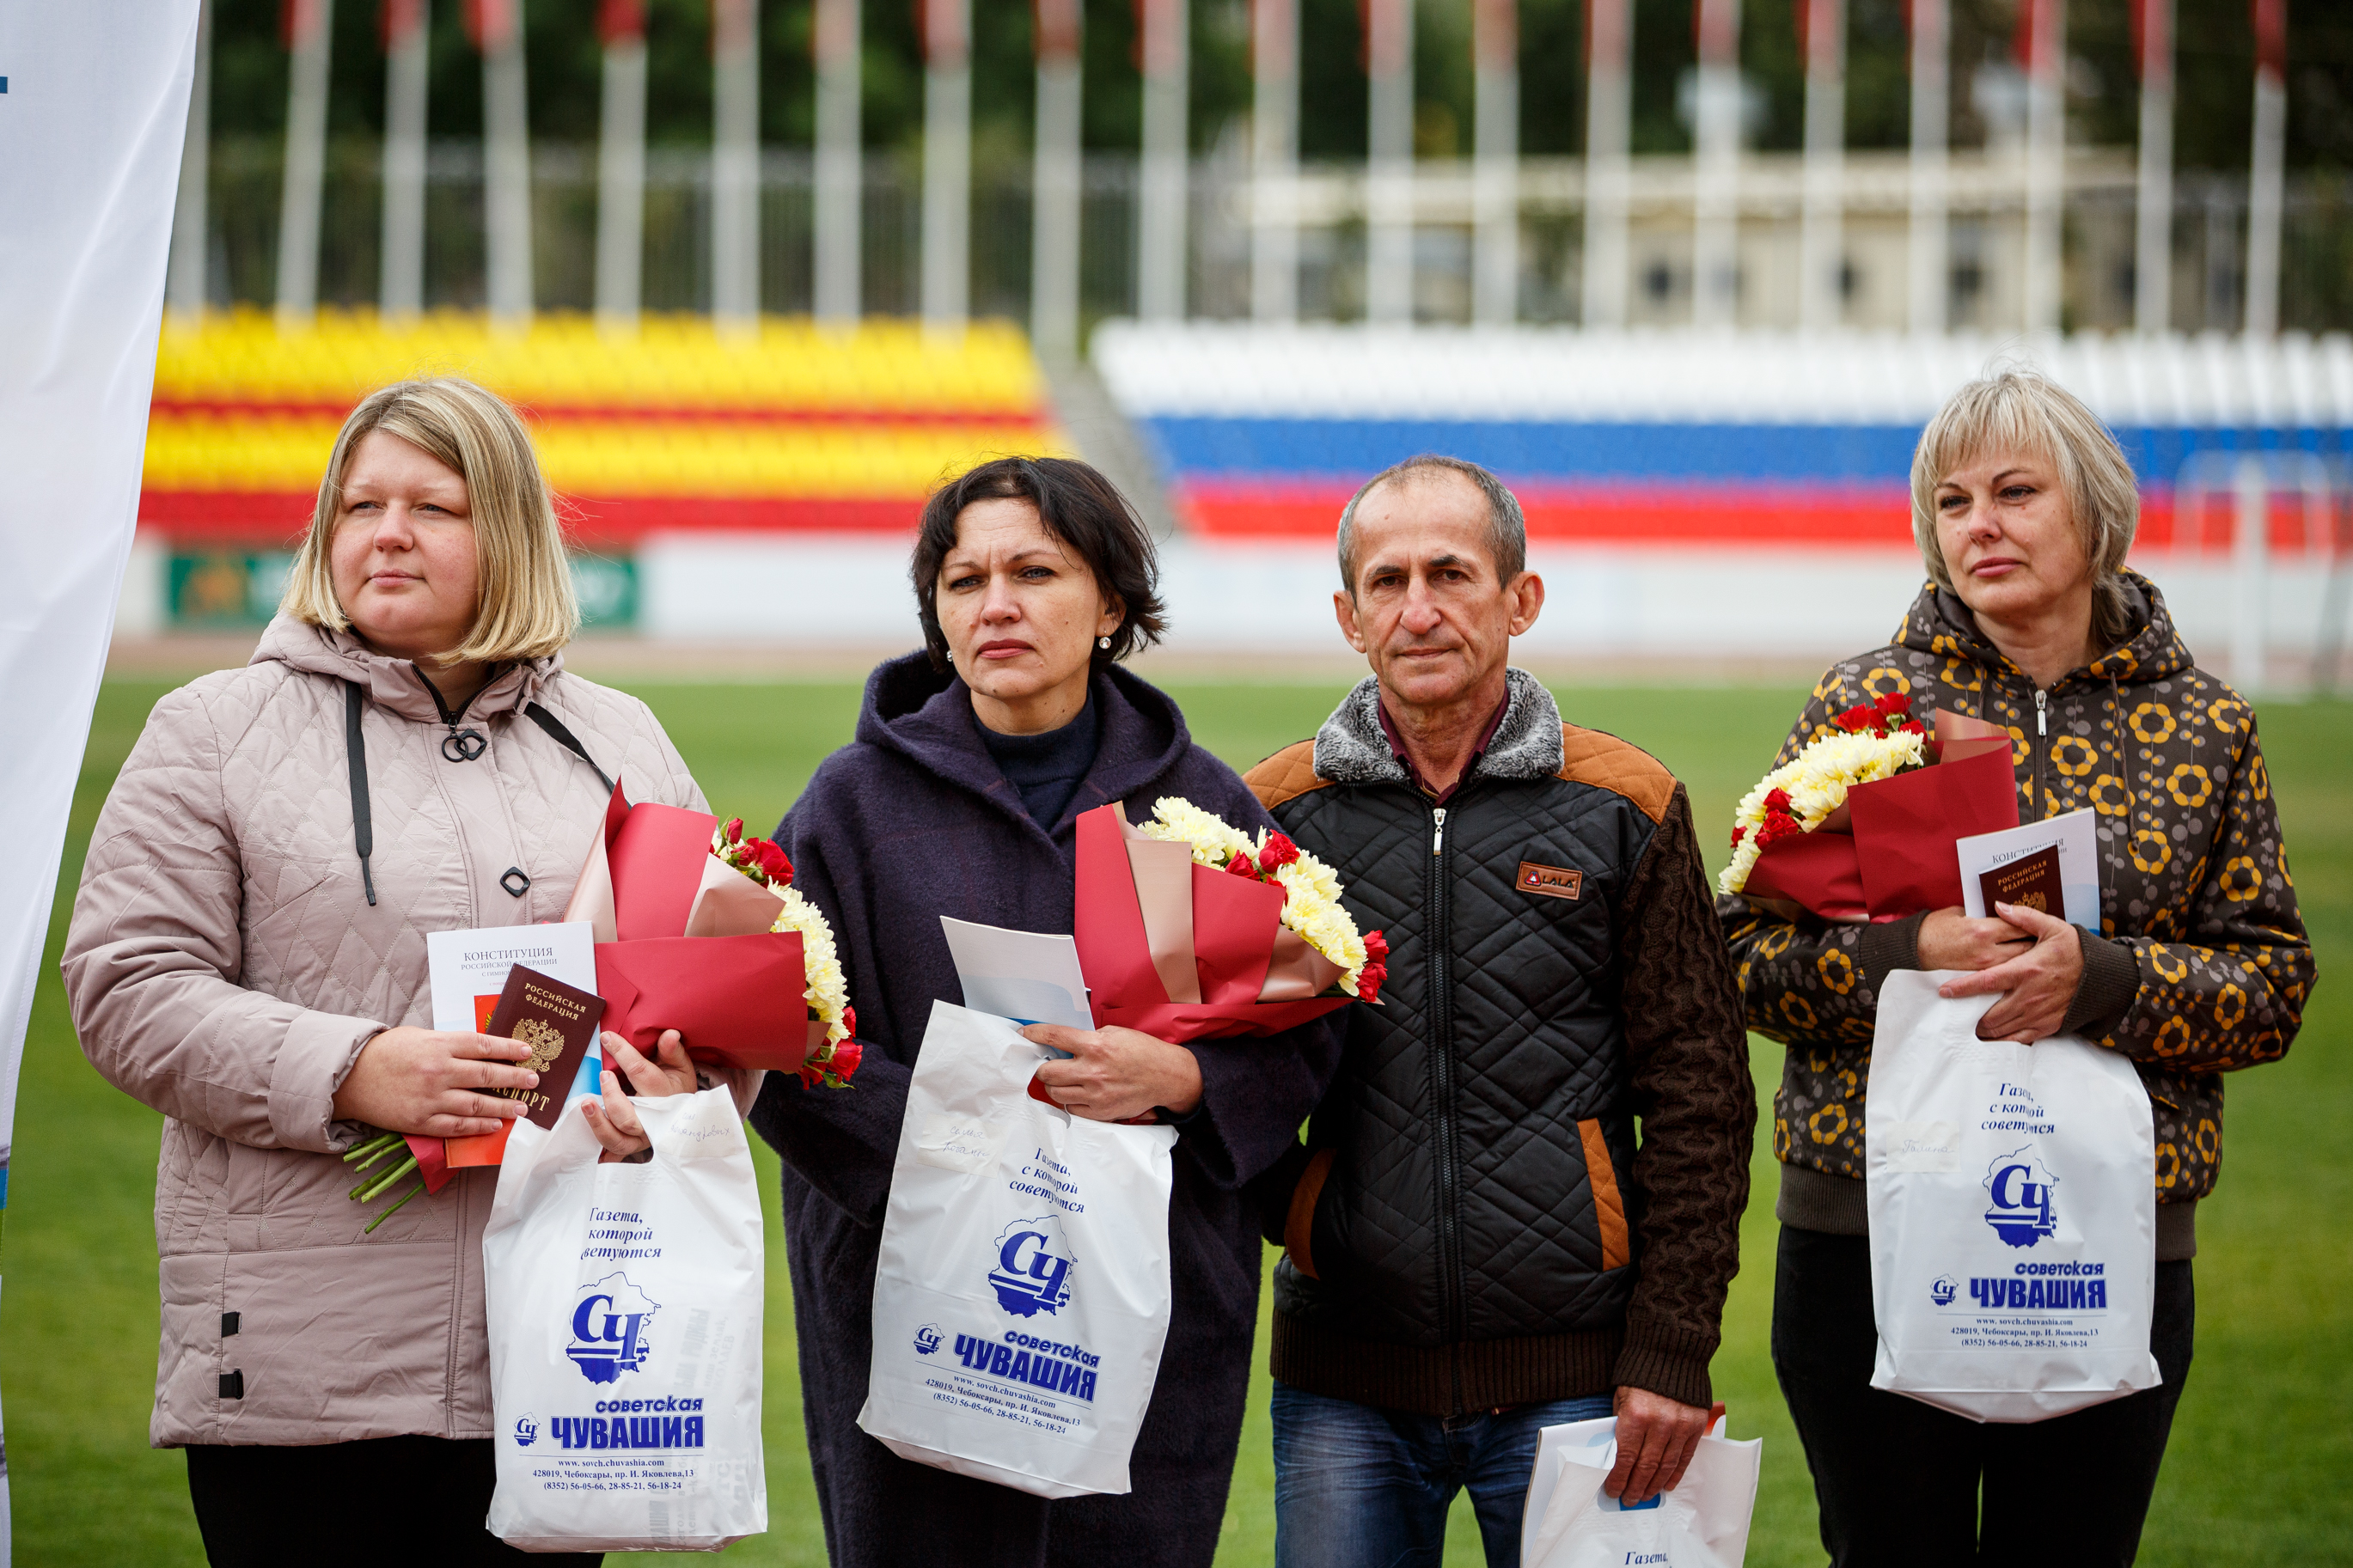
column 1439, row 903
column 2042, row 744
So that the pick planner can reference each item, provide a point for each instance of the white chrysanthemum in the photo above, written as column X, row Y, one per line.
column 1176, row 820
column 829, row 989
column 1817, row 780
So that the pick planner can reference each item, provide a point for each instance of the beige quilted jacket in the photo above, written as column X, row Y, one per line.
column 224, row 967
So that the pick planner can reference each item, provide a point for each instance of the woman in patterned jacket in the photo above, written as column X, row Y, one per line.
column 2024, row 508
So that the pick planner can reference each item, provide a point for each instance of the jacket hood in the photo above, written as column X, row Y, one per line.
column 396, row 684
column 925, row 715
column 1939, row 624
column 1352, row 748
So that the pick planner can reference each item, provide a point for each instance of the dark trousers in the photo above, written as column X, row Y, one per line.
column 1899, row 1482
column 393, row 1500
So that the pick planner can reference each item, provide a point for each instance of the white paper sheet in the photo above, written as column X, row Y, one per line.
column 1025, row 975
column 470, row 967
column 2077, row 835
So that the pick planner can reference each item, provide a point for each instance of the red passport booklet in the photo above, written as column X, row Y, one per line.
column 558, row 1021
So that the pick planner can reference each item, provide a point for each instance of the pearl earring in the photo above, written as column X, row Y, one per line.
column 1103, row 643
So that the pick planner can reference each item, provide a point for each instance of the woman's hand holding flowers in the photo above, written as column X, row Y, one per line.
column 1116, row 1074
column 611, row 1117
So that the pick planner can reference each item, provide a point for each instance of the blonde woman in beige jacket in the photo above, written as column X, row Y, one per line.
column 404, row 753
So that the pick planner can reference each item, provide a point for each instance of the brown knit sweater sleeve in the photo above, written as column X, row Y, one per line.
column 1688, row 1048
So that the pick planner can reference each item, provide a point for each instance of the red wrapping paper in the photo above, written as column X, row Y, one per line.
column 1889, row 851
column 731, row 998
column 1235, row 924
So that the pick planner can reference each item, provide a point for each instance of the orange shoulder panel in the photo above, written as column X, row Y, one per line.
column 1590, row 757
column 1286, row 775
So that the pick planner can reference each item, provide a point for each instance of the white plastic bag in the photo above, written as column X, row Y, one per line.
column 1700, row 1522
column 2013, row 1223
column 1022, row 1295
column 625, row 1320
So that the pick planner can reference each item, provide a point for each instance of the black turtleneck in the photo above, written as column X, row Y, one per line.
column 1046, row 768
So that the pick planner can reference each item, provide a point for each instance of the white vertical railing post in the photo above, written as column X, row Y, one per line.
column 2046, row 170
column 1608, row 45
column 1388, row 168
column 2252, row 559
column 1274, row 159
column 621, row 170
column 1716, row 184
column 946, row 281
column 1496, row 162
column 1161, row 255
column 1929, row 266
column 1054, row 232
column 190, row 218
column 735, row 166
column 400, row 281
column 1822, row 243
column 506, row 159
column 309, row 28
column 839, row 207
column 2153, row 219
column 2263, row 193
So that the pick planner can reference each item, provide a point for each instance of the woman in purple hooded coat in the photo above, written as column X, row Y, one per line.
column 960, row 796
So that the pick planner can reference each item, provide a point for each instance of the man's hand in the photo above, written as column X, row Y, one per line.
column 2041, row 982
column 611, row 1116
column 1656, row 1439
column 427, row 1082
column 1115, row 1074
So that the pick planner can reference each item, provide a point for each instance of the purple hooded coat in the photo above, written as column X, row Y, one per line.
column 912, row 821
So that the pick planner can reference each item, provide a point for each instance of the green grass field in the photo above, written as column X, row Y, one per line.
column 2259, row 1469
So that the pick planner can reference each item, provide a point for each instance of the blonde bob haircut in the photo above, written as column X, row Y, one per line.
column 2023, row 411
column 527, row 609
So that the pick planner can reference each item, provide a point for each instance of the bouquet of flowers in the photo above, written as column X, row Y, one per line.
column 1861, row 824
column 700, row 929
column 1190, row 929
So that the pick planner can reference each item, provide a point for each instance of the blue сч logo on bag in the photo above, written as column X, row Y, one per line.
column 1033, row 1270
column 609, row 1329
column 2021, row 1213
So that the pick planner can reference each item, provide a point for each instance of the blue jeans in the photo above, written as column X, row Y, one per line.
column 1360, row 1487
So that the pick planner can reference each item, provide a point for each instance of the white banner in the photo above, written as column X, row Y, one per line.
column 92, row 109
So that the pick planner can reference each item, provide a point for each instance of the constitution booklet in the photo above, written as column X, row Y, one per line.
column 2053, row 865
column 470, row 967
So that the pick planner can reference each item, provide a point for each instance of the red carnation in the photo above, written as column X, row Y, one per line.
column 1778, row 801
column 1775, row 828
column 849, row 1021
column 847, row 1056
column 771, row 861
column 1277, row 850
column 1377, row 948
column 1737, row 835
column 1240, row 864
column 1859, row 717
column 1914, row 727
column 1370, row 981
column 1895, row 702
column 734, row 832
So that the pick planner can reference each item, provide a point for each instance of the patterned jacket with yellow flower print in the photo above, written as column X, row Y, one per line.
column 2202, row 966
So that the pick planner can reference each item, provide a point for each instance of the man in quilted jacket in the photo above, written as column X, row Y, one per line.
column 1476, row 1243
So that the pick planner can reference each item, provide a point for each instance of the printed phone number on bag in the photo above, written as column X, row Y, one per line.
column 984, row 1400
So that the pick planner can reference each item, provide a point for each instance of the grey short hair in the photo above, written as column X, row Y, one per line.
column 2024, row 411
column 1507, row 525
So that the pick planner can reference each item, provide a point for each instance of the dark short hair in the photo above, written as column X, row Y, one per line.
column 1080, row 508
column 1507, row 525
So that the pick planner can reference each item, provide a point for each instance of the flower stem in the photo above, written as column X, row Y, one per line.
column 394, row 1209
column 375, row 1186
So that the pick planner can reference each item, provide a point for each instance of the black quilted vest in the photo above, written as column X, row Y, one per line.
column 1480, row 1119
